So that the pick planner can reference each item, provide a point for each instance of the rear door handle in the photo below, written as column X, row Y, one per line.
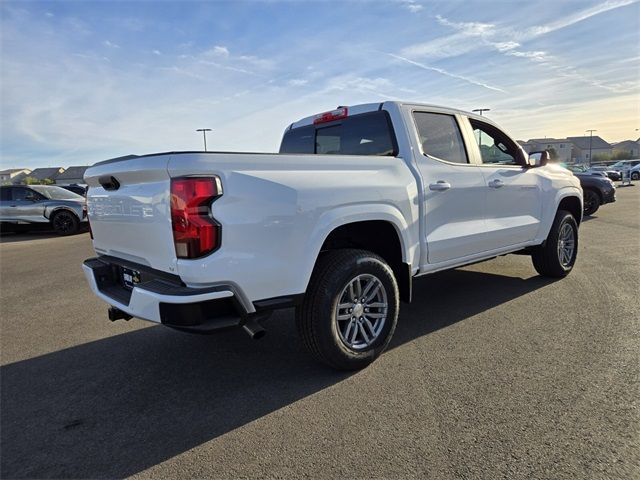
column 496, row 183
column 440, row 185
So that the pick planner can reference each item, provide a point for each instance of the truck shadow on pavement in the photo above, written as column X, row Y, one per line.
column 114, row 407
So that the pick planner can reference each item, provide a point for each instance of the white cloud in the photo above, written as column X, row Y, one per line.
column 468, row 28
column 219, row 51
column 297, row 82
column 109, row 44
column 411, row 5
column 448, row 74
column 156, row 52
column 506, row 46
column 536, row 56
column 578, row 17
column 49, row 14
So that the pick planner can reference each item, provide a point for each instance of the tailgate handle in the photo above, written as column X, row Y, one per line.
column 109, row 183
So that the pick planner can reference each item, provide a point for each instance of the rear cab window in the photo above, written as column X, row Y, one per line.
column 363, row 134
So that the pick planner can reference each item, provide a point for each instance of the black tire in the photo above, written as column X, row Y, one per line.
column 547, row 259
column 635, row 176
column 591, row 202
column 317, row 318
column 65, row 222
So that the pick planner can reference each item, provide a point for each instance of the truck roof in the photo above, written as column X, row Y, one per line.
column 372, row 107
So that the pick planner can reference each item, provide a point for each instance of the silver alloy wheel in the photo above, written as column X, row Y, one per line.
column 362, row 311
column 566, row 245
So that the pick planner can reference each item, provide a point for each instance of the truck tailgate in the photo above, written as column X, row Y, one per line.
column 132, row 221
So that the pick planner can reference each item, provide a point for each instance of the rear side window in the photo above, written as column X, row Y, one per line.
column 440, row 136
column 5, row 194
column 22, row 193
column 364, row 134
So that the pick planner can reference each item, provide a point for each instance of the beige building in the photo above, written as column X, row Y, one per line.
column 561, row 147
column 6, row 176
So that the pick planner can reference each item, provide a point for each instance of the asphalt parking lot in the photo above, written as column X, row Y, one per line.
column 493, row 372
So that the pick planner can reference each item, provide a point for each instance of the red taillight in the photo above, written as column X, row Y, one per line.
column 195, row 233
column 325, row 117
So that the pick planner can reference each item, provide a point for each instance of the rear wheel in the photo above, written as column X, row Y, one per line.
column 635, row 175
column 591, row 202
column 65, row 223
column 350, row 310
column 556, row 257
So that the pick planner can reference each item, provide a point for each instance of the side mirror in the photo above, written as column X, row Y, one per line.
column 32, row 197
column 538, row 159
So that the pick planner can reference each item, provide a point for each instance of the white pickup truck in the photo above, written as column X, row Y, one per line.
column 359, row 202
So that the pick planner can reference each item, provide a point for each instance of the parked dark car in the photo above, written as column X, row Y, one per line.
column 596, row 191
column 612, row 174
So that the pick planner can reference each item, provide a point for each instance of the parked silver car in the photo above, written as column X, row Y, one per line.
column 22, row 206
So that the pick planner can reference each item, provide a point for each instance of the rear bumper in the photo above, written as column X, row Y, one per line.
column 162, row 298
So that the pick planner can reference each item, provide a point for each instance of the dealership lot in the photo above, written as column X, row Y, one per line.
column 493, row 372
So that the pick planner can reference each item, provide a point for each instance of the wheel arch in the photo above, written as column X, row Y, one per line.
column 573, row 205
column 384, row 233
column 52, row 212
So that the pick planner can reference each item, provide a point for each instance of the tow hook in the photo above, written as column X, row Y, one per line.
column 117, row 314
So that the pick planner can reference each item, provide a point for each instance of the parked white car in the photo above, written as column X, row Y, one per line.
column 359, row 202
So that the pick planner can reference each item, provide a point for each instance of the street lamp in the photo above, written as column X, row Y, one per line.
column 590, row 141
column 204, row 135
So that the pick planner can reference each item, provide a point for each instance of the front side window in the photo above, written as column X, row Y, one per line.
column 440, row 137
column 495, row 147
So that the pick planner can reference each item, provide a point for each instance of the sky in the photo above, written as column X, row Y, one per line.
column 83, row 81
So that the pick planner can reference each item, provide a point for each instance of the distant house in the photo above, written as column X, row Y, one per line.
column 580, row 153
column 561, row 146
column 632, row 147
column 40, row 174
column 71, row 175
column 6, row 176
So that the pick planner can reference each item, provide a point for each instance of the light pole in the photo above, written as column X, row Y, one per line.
column 204, row 135
column 480, row 110
column 590, row 140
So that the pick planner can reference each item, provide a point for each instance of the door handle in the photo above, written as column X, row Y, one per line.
column 440, row 185
column 497, row 183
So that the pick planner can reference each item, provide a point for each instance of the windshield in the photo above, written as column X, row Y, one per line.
column 56, row 193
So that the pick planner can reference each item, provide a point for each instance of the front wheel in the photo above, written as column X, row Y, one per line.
column 591, row 202
column 556, row 257
column 350, row 310
column 65, row 223
column 635, row 175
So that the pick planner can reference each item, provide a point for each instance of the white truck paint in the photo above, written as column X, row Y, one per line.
column 278, row 210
